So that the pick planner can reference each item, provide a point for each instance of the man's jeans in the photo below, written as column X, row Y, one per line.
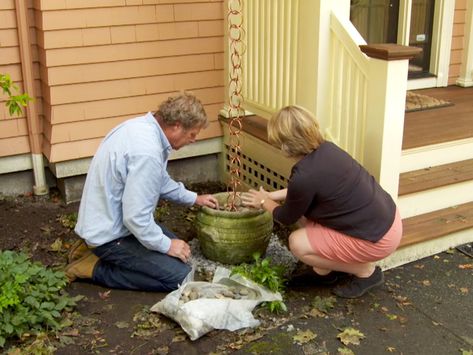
column 126, row 264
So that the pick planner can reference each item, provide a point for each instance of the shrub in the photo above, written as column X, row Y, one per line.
column 31, row 296
column 14, row 102
column 267, row 275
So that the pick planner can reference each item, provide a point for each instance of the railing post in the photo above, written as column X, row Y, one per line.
column 314, row 42
column 385, row 111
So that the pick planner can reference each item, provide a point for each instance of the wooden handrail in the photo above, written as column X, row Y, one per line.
column 390, row 51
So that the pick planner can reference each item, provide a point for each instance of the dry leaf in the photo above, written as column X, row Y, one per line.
column 465, row 266
column 57, row 245
column 390, row 349
column 350, row 336
column 303, row 337
column 345, row 351
column 426, row 283
column 122, row 324
column 464, row 290
column 178, row 338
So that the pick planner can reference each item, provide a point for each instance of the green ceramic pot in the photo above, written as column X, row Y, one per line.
column 232, row 237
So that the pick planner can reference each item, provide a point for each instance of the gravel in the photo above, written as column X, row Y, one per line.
column 276, row 251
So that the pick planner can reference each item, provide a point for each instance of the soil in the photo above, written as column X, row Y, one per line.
column 423, row 300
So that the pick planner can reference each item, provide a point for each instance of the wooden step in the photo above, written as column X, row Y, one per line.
column 438, row 176
column 437, row 224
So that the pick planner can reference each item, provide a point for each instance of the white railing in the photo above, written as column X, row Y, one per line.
column 307, row 52
column 346, row 109
column 271, row 54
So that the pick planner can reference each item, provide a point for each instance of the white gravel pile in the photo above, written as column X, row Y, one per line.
column 276, row 251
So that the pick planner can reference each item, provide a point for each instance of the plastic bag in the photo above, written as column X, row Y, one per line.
column 225, row 303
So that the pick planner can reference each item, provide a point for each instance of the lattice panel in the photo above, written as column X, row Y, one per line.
column 255, row 174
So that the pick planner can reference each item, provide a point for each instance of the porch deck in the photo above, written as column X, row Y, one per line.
column 440, row 125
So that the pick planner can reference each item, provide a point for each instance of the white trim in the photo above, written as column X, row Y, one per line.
column 70, row 168
column 435, row 199
column 442, row 40
column 428, row 248
column 423, row 83
column 436, row 154
column 204, row 147
column 81, row 166
column 14, row 163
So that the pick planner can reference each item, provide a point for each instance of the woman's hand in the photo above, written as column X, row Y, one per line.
column 254, row 198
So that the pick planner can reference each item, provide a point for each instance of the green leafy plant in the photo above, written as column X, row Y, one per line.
column 264, row 273
column 32, row 298
column 15, row 103
column 68, row 220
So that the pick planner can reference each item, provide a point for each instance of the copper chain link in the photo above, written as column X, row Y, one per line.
column 235, row 109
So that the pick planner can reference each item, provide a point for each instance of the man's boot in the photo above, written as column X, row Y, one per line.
column 82, row 268
column 77, row 251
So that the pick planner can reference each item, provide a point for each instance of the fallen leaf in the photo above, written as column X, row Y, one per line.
column 122, row 324
column 464, row 290
column 390, row 349
column 314, row 312
column 57, row 245
column 178, row 338
column 391, row 316
column 105, row 295
column 350, row 336
column 324, row 304
column 419, row 266
column 426, row 283
column 465, row 266
column 303, row 337
column 345, row 351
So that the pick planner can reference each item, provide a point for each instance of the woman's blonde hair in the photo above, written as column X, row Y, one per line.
column 295, row 130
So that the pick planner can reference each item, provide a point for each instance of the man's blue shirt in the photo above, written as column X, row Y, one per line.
column 126, row 179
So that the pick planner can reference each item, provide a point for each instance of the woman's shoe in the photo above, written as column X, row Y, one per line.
column 310, row 278
column 357, row 286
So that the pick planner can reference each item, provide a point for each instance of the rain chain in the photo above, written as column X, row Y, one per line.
column 236, row 113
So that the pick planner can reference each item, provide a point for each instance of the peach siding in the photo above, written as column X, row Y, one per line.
column 14, row 130
column 457, row 41
column 103, row 61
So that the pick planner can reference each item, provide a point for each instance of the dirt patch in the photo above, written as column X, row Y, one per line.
column 424, row 305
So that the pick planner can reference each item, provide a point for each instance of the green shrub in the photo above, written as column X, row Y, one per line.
column 267, row 275
column 31, row 296
column 14, row 102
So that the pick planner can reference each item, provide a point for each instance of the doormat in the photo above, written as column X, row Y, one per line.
column 419, row 102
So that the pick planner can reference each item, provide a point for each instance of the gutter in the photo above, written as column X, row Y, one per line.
column 40, row 186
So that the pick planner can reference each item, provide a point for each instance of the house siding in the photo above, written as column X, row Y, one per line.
column 14, row 129
column 101, row 62
column 458, row 35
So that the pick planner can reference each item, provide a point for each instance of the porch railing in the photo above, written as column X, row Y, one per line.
column 308, row 53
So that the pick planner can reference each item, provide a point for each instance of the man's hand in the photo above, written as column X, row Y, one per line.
column 207, row 200
column 180, row 249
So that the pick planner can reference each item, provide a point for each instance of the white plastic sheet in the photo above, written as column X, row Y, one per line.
column 212, row 311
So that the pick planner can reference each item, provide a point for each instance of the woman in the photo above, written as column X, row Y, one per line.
column 349, row 222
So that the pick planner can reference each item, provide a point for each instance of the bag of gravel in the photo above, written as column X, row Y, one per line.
column 225, row 303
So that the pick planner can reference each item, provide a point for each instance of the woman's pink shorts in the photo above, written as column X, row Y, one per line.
column 337, row 246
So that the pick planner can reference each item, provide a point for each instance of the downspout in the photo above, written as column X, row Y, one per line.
column 34, row 128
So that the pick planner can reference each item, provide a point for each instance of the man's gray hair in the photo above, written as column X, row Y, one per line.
column 183, row 108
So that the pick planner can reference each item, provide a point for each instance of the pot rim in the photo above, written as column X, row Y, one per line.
column 222, row 200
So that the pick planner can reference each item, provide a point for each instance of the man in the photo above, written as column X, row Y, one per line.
column 124, row 247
